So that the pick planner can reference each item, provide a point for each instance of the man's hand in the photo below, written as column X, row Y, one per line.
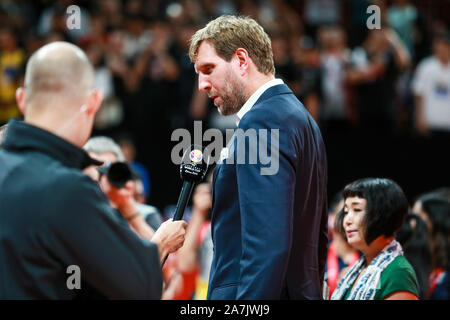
column 169, row 237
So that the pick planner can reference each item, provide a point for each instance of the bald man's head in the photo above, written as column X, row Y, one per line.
column 59, row 94
column 59, row 71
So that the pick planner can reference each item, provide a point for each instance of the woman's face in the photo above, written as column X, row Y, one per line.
column 355, row 210
column 417, row 209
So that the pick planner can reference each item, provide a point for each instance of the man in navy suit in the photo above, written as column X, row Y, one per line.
column 269, row 220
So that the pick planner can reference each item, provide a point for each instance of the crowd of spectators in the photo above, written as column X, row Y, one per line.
column 356, row 82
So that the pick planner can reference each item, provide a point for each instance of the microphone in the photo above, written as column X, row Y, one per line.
column 192, row 170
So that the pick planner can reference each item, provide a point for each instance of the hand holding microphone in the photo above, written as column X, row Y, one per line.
column 169, row 237
column 192, row 170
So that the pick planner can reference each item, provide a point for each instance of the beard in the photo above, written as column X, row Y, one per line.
column 234, row 96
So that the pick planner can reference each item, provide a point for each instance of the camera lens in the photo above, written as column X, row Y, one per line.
column 118, row 174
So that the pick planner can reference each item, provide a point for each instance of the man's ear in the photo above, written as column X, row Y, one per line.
column 94, row 102
column 242, row 58
column 20, row 98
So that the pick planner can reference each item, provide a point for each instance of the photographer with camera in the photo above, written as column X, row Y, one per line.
column 118, row 181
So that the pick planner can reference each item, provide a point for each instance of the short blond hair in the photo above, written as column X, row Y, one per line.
column 228, row 33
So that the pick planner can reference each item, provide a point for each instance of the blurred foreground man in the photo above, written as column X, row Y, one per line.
column 269, row 218
column 59, row 237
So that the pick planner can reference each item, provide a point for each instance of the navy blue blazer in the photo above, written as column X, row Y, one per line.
column 270, row 230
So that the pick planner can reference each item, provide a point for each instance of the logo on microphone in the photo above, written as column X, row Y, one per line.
column 196, row 155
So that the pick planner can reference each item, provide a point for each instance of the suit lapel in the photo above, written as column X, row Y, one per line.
column 273, row 91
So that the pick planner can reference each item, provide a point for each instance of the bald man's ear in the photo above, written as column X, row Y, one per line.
column 94, row 103
column 20, row 98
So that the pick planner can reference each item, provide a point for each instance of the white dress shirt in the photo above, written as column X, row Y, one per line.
column 254, row 97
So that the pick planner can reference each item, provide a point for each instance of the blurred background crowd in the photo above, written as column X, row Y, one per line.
column 381, row 96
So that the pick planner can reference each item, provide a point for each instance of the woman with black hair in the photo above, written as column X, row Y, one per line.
column 374, row 209
column 414, row 238
column 435, row 211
